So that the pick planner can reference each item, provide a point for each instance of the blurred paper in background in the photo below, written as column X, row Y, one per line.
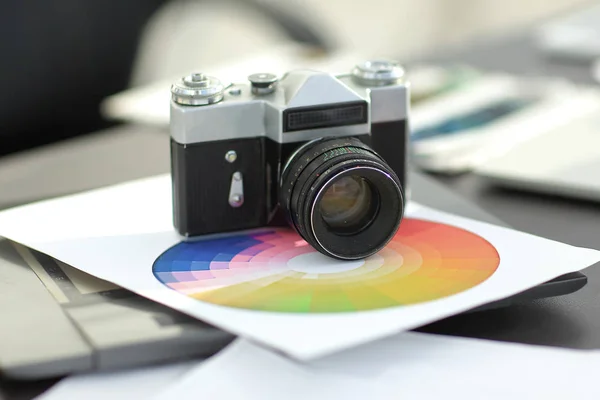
column 409, row 365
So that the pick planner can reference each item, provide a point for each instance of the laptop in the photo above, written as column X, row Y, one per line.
column 563, row 162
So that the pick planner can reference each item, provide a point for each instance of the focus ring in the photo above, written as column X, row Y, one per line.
column 319, row 165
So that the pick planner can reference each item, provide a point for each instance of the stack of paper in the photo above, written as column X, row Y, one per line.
column 405, row 366
column 270, row 287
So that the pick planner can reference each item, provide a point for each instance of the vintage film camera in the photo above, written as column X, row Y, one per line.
column 328, row 152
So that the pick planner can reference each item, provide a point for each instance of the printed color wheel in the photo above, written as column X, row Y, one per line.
column 275, row 270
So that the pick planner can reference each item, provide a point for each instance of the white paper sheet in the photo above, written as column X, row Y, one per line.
column 140, row 383
column 404, row 366
column 117, row 233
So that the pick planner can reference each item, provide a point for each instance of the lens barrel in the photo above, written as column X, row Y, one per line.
column 342, row 197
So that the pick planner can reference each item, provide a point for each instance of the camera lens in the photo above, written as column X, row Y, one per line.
column 342, row 197
column 349, row 205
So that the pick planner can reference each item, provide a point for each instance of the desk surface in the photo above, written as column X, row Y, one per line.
column 130, row 152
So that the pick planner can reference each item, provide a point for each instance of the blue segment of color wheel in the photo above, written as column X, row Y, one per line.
column 197, row 256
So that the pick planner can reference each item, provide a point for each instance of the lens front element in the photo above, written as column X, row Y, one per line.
column 342, row 197
column 349, row 205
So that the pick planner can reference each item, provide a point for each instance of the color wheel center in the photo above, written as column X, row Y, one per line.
column 317, row 263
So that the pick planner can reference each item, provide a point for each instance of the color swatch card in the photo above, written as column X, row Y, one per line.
column 275, row 271
column 270, row 286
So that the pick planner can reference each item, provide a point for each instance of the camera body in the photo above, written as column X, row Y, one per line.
column 230, row 143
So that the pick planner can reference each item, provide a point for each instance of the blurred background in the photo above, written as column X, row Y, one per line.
column 62, row 58
column 504, row 93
